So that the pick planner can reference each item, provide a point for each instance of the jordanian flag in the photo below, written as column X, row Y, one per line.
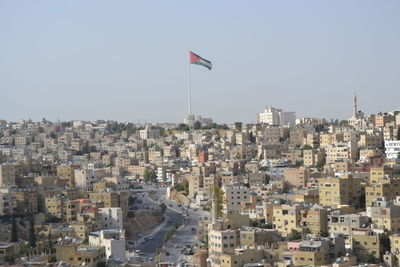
column 196, row 59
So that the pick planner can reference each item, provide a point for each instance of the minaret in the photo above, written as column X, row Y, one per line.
column 355, row 106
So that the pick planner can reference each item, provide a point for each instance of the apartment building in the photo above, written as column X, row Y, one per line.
column 338, row 191
column 296, row 177
column 7, row 175
column 79, row 255
column 392, row 149
column 385, row 215
column 113, row 240
column 311, row 157
column 315, row 220
column 234, row 197
column 287, row 218
column 111, row 218
column 222, row 242
column 366, row 242
column 387, row 188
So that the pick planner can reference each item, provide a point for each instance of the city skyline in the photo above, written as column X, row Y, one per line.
column 128, row 62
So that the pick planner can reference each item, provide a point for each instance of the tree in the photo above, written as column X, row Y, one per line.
column 149, row 176
column 9, row 259
column 50, row 242
column 23, row 248
column 318, row 128
column 197, row 125
column 320, row 164
column 185, row 185
column 267, row 178
column 52, row 219
column 295, row 235
column 32, row 235
column 163, row 207
column 264, row 169
column 306, row 147
column 252, row 138
column 298, row 163
column 238, row 126
column 132, row 200
column 219, row 197
column 370, row 259
column 183, row 127
column 14, row 230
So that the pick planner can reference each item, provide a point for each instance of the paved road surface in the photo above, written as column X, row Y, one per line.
column 184, row 236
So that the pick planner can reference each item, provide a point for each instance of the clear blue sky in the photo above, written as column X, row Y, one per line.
column 127, row 60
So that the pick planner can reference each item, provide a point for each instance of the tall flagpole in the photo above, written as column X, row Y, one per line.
column 189, row 95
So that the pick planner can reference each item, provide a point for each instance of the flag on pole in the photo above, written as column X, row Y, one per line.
column 196, row 59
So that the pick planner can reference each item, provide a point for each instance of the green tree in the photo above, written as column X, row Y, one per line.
column 14, row 230
column 306, row 147
column 370, row 259
column 9, row 259
column 50, row 242
column 32, row 235
column 219, row 197
column 185, row 185
column 183, row 127
column 318, row 128
column 238, row 126
column 163, row 207
column 252, row 138
column 149, row 176
column 132, row 200
column 298, row 163
column 264, row 169
column 197, row 125
column 267, row 178
column 23, row 248
column 295, row 235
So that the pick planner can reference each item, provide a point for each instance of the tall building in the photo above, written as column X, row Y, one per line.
column 7, row 175
column 392, row 149
column 274, row 116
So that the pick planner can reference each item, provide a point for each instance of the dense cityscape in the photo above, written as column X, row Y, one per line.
column 283, row 191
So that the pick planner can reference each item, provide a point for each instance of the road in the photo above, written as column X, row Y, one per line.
column 183, row 237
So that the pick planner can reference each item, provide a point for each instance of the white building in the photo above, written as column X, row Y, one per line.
column 113, row 240
column 392, row 149
column 111, row 218
column 86, row 178
column 274, row 116
column 191, row 119
column 149, row 133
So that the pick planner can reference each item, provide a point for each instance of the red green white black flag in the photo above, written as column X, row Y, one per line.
column 196, row 59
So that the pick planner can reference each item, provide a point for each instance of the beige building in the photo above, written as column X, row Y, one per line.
column 7, row 175
column 222, row 242
column 296, row 177
column 316, row 221
column 366, row 242
column 234, row 197
column 78, row 255
column 287, row 218
column 337, row 191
